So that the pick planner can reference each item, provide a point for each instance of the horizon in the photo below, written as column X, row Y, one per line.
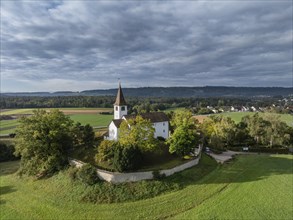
column 64, row 91
column 83, row 45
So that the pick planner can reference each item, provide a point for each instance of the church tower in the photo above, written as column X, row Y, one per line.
column 120, row 106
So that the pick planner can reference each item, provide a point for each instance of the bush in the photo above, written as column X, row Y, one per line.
column 127, row 158
column 161, row 138
column 105, row 151
column 87, row 174
column 157, row 175
column 72, row 172
column 7, row 152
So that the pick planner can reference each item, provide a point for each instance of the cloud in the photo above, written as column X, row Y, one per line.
column 89, row 44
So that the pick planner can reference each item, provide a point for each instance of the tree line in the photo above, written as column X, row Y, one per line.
column 136, row 104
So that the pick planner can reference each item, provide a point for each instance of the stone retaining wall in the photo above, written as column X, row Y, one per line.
column 116, row 177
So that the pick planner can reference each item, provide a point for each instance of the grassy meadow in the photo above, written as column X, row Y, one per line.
column 93, row 120
column 83, row 115
column 237, row 116
column 250, row 187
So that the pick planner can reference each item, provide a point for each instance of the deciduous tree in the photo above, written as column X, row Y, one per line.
column 43, row 141
column 137, row 132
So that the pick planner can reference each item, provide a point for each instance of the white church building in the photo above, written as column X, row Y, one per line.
column 159, row 120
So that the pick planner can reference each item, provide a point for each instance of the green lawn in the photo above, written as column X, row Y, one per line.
column 82, row 115
column 237, row 116
column 251, row 187
column 92, row 119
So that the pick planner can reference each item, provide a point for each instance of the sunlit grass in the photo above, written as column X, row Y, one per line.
column 251, row 187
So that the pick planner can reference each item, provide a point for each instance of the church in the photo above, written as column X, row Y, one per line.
column 159, row 120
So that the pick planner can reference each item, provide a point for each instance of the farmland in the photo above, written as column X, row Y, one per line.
column 237, row 116
column 90, row 116
column 250, row 187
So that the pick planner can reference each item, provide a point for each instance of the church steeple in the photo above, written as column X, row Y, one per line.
column 120, row 98
column 120, row 106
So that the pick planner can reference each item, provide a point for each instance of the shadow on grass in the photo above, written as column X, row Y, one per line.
column 5, row 190
column 7, row 168
column 248, row 168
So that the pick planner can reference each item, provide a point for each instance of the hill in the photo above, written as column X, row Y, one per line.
column 251, row 187
column 207, row 91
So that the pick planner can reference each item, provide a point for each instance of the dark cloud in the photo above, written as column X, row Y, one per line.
column 77, row 45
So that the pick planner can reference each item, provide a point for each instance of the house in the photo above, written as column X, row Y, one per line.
column 159, row 120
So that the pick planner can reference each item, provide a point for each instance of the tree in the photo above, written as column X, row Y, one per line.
column 257, row 127
column 42, row 141
column 185, row 137
column 137, row 132
column 219, row 131
column 106, row 151
column 126, row 158
column 277, row 132
column 83, row 136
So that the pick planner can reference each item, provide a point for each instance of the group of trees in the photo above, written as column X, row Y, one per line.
column 44, row 140
column 136, row 137
column 222, row 132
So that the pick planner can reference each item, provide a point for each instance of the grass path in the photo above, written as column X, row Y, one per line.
column 252, row 187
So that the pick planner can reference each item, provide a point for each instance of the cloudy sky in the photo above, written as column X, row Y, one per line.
column 78, row 45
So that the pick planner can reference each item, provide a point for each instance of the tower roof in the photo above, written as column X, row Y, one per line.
column 120, row 98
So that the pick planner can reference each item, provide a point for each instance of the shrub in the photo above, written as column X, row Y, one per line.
column 72, row 172
column 127, row 158
column 157, row 175
column 161, row 138
column 87, row 174
column 105, row 151
column 7, row 152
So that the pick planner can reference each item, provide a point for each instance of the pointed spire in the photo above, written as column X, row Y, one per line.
column 120, row 98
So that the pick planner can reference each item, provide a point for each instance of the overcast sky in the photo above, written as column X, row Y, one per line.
column 80, row 45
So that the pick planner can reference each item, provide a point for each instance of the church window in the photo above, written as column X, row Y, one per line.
column 164, row 124
column 116, row 108
column 123, row 108
column 164, row 131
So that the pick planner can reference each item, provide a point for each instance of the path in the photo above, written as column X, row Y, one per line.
column 225, row 156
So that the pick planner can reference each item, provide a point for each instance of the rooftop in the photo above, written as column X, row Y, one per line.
column 152, row 116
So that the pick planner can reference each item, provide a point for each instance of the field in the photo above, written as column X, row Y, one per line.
column 250, row 187
column 83, row 115
column 237, row 116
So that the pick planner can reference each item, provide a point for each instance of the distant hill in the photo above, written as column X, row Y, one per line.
column 207, row 91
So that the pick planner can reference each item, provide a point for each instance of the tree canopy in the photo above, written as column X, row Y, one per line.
column 43, row 141
column 185, row 137
column 137, row 132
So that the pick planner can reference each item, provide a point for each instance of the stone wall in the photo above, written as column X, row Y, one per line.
column 115, row 177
